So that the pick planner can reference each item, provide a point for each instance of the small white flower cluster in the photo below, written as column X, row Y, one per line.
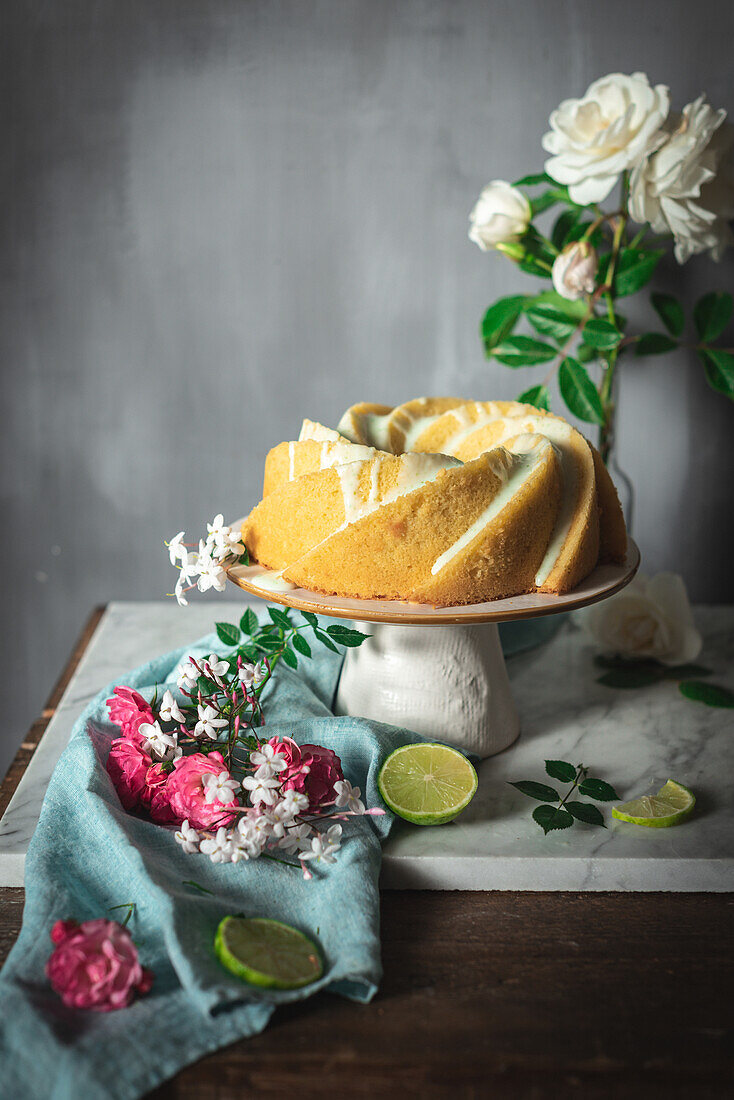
column 204, row 568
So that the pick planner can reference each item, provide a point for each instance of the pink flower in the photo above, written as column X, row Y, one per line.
column 128, row 710
column 186, row 793
column 140, row 784
column 95, row 965
column 310, row 769
column 128, row 767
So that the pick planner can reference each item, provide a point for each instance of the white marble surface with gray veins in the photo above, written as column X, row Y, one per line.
column 632, row 738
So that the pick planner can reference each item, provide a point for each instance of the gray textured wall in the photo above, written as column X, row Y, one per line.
column 221, row 215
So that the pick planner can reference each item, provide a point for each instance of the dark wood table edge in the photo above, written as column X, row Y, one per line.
column 31, row 741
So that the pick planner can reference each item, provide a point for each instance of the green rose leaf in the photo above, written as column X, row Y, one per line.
column 601, row 334
column 563, row 227
column 719, row 367
column 523, row 351
column 575, row 311
column 227, row 633
column 500, row 319
column 560, row 769
column 290, row 658
column 269, row 643
column 310, row 619
column 326, row 640
column 345, row 636
column 541, row 791
column 549, row 321
column 537, row 396
column 586, row 354
column 711, row 695
column 543, row 201
column 711, row 314
column 279, row 617
column 300, row 643
column 551, row 817
column 584, row 811
column 533, row 180
column 248, row 622
column 635, row 268
column 579, row 392
column 598, row 789
column 670, row 312
column 654, row 343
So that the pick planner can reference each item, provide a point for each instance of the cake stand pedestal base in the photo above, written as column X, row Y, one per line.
column 447, row 683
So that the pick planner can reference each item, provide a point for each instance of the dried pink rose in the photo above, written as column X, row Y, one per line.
column 187, row 794
column 95, row 965
column 310, row 769
column 128, row 710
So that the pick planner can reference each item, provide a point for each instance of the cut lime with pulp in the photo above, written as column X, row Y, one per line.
column 267, row 953
column 671, row 805
column 427, row 784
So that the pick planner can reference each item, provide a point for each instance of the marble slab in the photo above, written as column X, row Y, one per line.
column 630, row 738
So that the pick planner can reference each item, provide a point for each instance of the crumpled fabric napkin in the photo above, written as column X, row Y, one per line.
column 87, row 854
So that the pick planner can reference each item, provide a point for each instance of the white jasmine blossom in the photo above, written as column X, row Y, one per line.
column 348, row 797
column 187, row 675
column 160, row 745
column 261, row 790
column 209, row 723
column 323, row 846
column 176, row 549
column 211, row 573
column 216, row 669
column 169, row 710
column 218, row 847
column 219, row 788
column 294, row 802
column 296, row 838
column 250, row 675
column 267, row 755
column 187, row 837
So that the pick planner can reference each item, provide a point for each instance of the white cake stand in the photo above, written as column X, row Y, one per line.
column 449, row 684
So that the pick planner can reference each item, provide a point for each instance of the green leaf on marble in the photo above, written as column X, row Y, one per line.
column 561, row 769
column 552, row 817
column 584, row 811
column 541, row 791
column 598, row 789
column 711, row 695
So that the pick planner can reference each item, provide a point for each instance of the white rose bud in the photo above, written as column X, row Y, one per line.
column 649, row 618
column 501, row 215
column 574, row 270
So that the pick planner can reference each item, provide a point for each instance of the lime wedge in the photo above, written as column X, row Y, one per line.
column 427, row 784
column 671, row 805
column 267, row 953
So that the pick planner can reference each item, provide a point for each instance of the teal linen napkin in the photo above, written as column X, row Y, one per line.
column 87, row 854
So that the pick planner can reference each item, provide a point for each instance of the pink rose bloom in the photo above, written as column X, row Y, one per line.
column 128, row 767
column 140, row 784
column 187, row 795
column 128, row 710
column 311, row 769
column 156, row 796
column 95, row 965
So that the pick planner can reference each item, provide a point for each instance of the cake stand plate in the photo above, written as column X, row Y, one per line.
column 451, row 684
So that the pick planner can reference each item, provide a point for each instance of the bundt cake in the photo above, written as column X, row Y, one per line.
column 438, row 501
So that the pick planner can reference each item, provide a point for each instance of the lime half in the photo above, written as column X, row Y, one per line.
column 267, row 953
column 427, row 784
column 671, row 805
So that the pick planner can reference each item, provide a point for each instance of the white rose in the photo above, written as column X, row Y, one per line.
column 687, row 188
column 574, row 270
column 649, row 618
column 612, row 128
column 502, row 214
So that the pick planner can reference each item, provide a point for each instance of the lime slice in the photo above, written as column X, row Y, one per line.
column 427, row 784
column 671, row 805
column 267, row 953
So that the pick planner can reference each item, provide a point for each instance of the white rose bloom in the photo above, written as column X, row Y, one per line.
column 574, row 271
column 687, row 187
column 593, row 139
column 649, row 618
column 502, row 214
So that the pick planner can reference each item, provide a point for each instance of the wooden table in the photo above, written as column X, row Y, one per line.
column 492, row 995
